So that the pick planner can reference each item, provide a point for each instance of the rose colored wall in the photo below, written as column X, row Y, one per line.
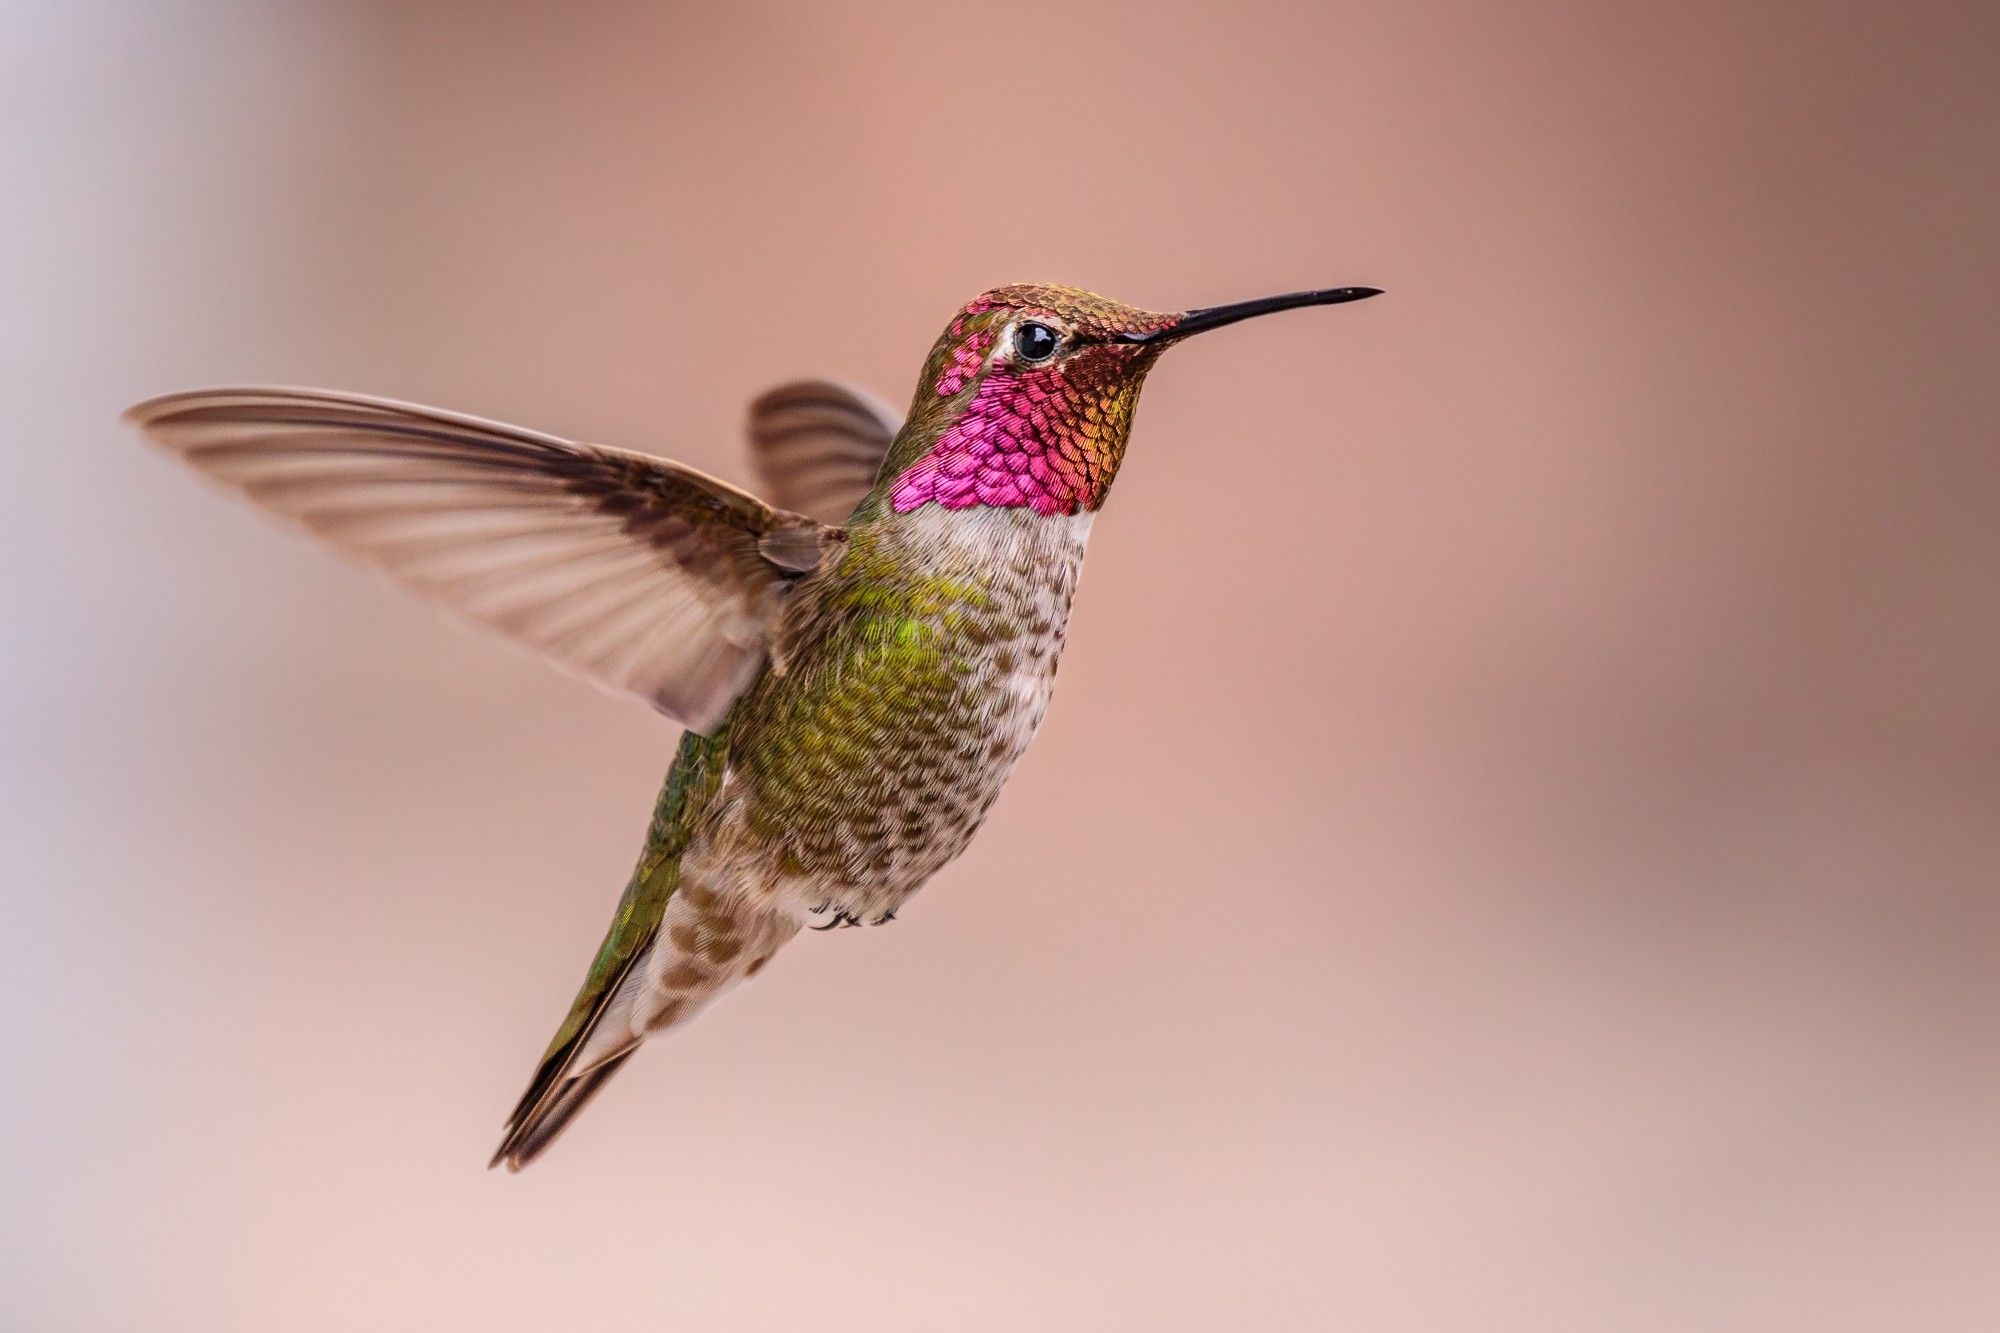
column 1515, row 845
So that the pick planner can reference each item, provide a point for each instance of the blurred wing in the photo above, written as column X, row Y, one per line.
column 644, row 577
column 817, row 446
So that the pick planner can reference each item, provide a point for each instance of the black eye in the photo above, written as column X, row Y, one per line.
column 1036, row 342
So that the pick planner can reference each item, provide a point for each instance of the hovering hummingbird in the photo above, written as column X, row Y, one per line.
column 858, row 663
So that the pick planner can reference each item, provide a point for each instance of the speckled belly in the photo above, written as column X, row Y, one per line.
column 914, row 678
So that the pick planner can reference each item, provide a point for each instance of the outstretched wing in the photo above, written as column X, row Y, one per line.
column 640, row 575
column 818, row 445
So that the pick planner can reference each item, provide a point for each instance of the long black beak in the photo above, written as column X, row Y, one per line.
column 1215, row 316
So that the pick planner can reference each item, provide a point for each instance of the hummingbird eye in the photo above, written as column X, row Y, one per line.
column 1035, row 343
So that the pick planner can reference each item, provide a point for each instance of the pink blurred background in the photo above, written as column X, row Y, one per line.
column 1515, row 845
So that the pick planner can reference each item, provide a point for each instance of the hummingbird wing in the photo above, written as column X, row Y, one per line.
column 817, row 446
column 644, row 577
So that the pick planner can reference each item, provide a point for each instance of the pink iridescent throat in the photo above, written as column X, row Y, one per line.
column 1046, row 439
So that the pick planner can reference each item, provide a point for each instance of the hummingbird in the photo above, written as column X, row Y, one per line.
column 857, row 661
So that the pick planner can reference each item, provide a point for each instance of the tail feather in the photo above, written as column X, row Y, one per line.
column 559, row 1062
column 702, row 944
column 599, row 1033
column 536, row 1128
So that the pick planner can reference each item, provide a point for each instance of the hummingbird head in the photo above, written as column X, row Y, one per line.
column 1027, row 397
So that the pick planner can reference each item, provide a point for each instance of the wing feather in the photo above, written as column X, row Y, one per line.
column 643, row 576
column 817, row 446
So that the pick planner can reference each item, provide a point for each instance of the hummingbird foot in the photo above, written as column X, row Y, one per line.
column 842, row 918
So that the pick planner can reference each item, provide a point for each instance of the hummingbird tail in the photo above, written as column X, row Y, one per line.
column 525, row 1142
column 705, row 943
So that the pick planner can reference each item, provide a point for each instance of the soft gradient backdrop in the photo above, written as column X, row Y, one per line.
column 1516, row 843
